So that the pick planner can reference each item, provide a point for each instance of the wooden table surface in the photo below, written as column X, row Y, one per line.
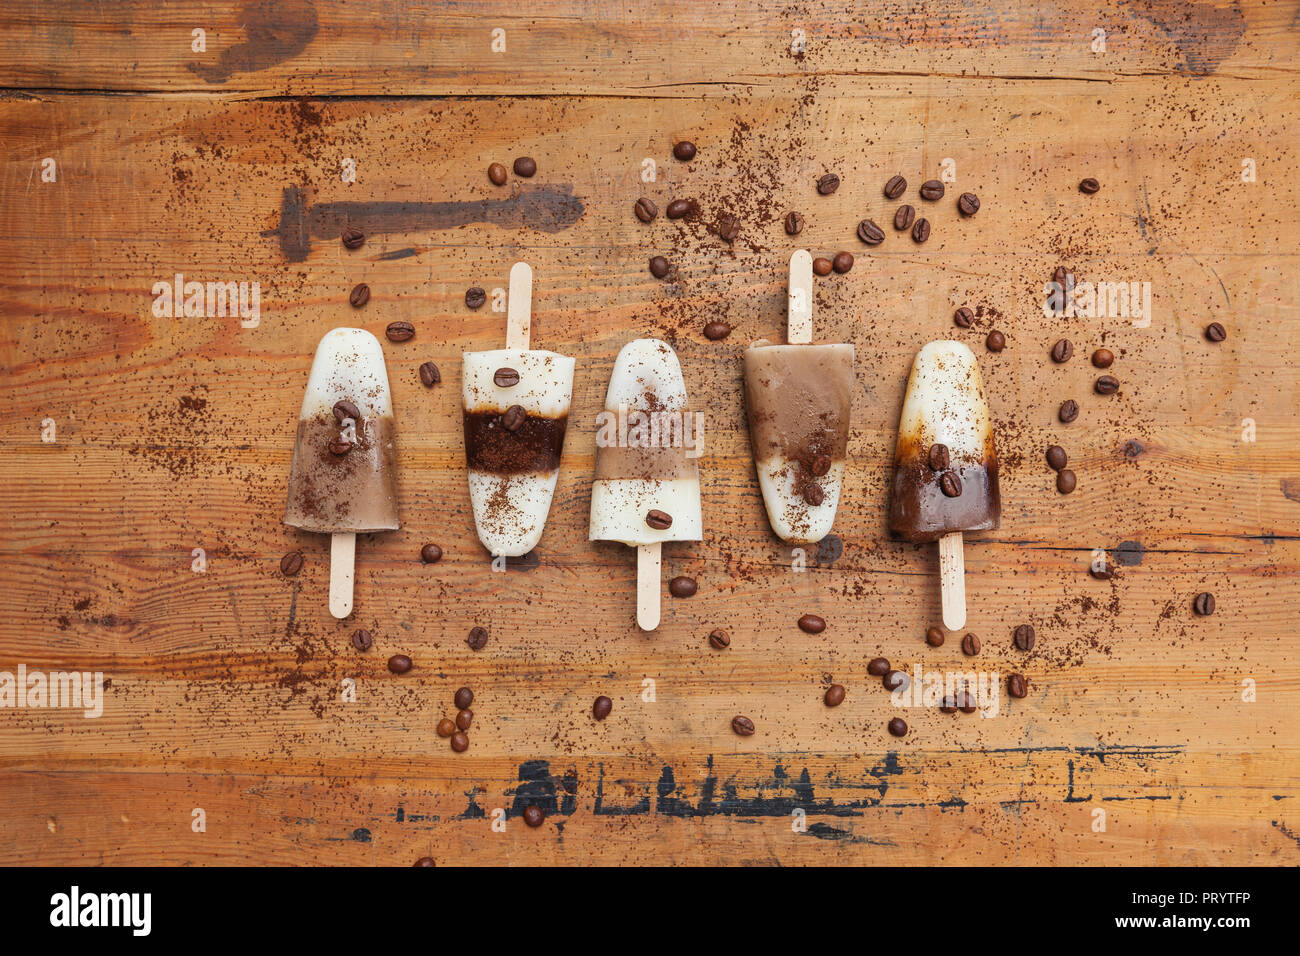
column 1149, row 734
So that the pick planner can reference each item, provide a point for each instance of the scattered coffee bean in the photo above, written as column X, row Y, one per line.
column 828, row 184
column 362, row 640
column 1065, row 481
column 898, row 726
column 534, row 816
column 446, row 727
column 996, row 341
column 429, row 375
column 291, row 564
column 505, row 378
column 895, row 680
column 340, row 447
column 934, row 637
column 719, row 639
column 812, row 624
column 931, row 189
column 1203, row 604
column 870, row 233
column 970, row 645
column 968, row 204
column 921, row 230
column 716, row 330
column 645, row 210
column 878, row 667
column 344, row 409
column 497, row 174
column 353, row 238
column 685, row 151
column 399, row 664
column 359, row 295
column 602, row 707
column 948, row 705
column 1063, row 277
column 1089, row 186
column 1062, row 351
column 1103, row 573
column 1215, row 332
column 963, row 318
column 822, row 267
column 950, row 484
column 1056, row 458
column 842, row 262
column 1068, row 411
column 793, row 223
column 425, row 861
column 682, row 586
column 513, row 418
column 477, row 640
column 903, row 217
column 813, row 493
column 431, row 554
column 938, row 457
column 658, row 266
column 820, row 465
column 834, row 695
column 460, row 741
column 967, row 702
column 525, row 166
column 896, row 186
column 399, row 331
column 1103, row 358
column 728, row 227
column 1017, row 686
column 475, row 297
column 742, row 726
column 659, row 520
column 679, row 208
column 463, row 698
column 464, row 719
column 1023, row 636
column 1106, row 385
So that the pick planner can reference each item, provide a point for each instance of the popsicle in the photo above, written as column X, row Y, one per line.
column 516, row 405
column 343, row 480
column 797, row 397
column 647, row 485
column 946, row 466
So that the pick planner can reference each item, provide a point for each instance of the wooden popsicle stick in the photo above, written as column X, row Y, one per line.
column 799, row 304
column 519, row 306
column 952, row 581
column 648, row 572
column 343, row 559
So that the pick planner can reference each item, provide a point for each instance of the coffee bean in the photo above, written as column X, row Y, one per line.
column 834, row 695
column 828, row 184
column 1089, row 186
column 996, row 341
column 1106, row 385
column 728, row 227
column 903, row 217
column 716, row 330
column 822, row 267
column 425, row 861
column 934, row 637
column 931, row 189
column 658, row 267
column 1063, row 277
column 679, row 208
column 399, row 331
column 446, row 727
column 1024, row 637
column 353, row 238
column 921, row 230
column 460, row 741
column 970, row 645
column 842, row 262
column 1215, row 332
column 1065, row 481
column 719, row 639
column 878, row 667
column 505, row 378
column 963, row 318
column 1017, row 686
column 950, row 484
column 340, row 447
column 659, row 520
column 1103, row 573
column 742, row 726
column 344, row 409
column 813, row 493
column 820, row 465
column 431, row 554
column 968, row 204
column 463, row 698
column 1203, row 604
column 812, row 624
column 898, row 726
column 601, row 708
column 1103, row 358
column 1056, row 458
column 359, row 295
column 682, row 586
column 948, row 705
column 464, row 719
column 525, row 166
column 896, row 186
column 895, row 680
column 291, row 564
column 685, row 151
column 475, row 297
column 967, row 702
column 399, row 664
column 513, row 418
column 645, row 210
column 362, row 640
column 938, row 457
column 870, row 233
column 497, row 174
column 477, row 640
column 1068, row 411
column 429, row 375
column 793, row 223
column 1062, row 351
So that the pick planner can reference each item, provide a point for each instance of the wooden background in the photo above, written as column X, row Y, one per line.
column 175, row 434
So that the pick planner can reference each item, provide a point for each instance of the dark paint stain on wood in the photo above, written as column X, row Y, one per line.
column 1291, row 488
column 1129, row 553
column 1206, row 34
column 277, row 30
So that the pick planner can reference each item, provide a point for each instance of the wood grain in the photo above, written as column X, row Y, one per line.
column 225, row 687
